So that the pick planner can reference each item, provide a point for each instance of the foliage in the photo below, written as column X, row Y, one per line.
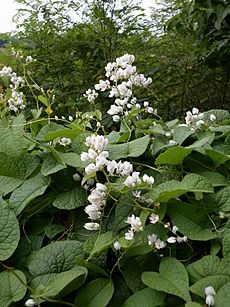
column 156, row 194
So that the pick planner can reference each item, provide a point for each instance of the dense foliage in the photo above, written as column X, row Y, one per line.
column 94, row 216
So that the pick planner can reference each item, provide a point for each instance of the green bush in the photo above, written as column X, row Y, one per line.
column 135, row 214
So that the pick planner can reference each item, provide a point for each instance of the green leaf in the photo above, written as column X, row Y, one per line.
column 221, row 115
column 192, row 220
column 145, row 298
column 205, row 138
column 17, row 167
column 78, row 143
column 44, row 100
column 29, row 190
column 181, row 133
column 71, row 199
column 192, row 304
column 173, row 188
column 13, row 289
column 216, row 179
column 207, row 266
column 216, row 281
column 131, row 149
column 54, row 229
column 217, row 156
column 49, row 128
column 219, row 201
column 142, row 263
column 222, row 297
column 209, row 270
column 12, row 172
column 73, row 159
column 172, row 278
column 96, row 293
column 174, row 155
column 102, row 242
column 196, row 183
column 56, row 257
column 122, row 211
column 12, row 138
column 226, row 244
column 51, row 165
column 9, row 229
column 62, row 283
column 69, row 133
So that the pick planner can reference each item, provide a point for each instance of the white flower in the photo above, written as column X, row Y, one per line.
column 148, row 179
column 85, row 156
column 171, row 240
column 111, row 166
column 65, row 141
column 101, row 161
column 209, row 290
column 101, row 187
column 102, row 85
column 175, row 229
column 172, row 142
column 29, row 59
column 212, row 117
column 97, row 142
column 114, row 110
column 159, row 244
column 124, row 169
column 199, row 123
column 209, row 300
column 129, row 235
column 154, row 218
column 136, row 194
column 93, row 212
column 76, row 177
column 195, row 111
column 135, row 222
column 132, row 180
column 168, row 133
column 30, row 302
column 70, row 118
column 181, row 239
column 146, row 103
column 152, row 239
column 91, row 95
column 149, row 110
column 91, row 226
column 117, row 245
column 116, row 118
column 91, row 168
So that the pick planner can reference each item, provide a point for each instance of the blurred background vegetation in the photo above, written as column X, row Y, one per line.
column 184, row 46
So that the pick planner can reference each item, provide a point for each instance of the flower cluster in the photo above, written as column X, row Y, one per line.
column 91, row 95
column 122, row 76
column 97, row 202
column 209, row 292
column 96, row 153
column 135, row 226
column 177, row 238
column 98, row 156
column 194, row 119
column 153, row 240
column 16, row 102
